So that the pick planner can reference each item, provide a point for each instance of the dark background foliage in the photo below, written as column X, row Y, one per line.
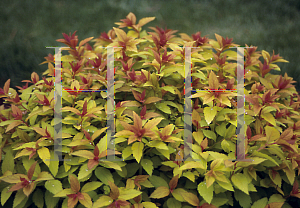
column 27, row 27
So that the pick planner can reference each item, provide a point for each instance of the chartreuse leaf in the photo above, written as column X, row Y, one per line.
column 54, row 186
column 44, row 154
column 173, row 203
column 127, row 194
column 260, row 154
column 210, row 113
column 225, row 185
column 84, row 171
column 149, row 205
column 104, row 175
column 160, row 192
column 147, row 165
column 190, row 165
column 91, row 186
column 206, row 193
column 54, row 163
column 137, row 150
column 38, row 198
column 103, row 201
column 5, row 195
column 163, row 107
column 260, row 203
column 240, row 181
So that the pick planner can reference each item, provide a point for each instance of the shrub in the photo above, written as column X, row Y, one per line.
column 149, row 125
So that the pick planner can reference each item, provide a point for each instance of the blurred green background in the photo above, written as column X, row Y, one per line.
column 28, row 26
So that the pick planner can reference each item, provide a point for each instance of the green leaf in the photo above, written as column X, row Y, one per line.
column 104, row 175
column 243, row 199
column 54, row 186
column 173, row 203
column 225, row 145
column 210, row 113
column 276, row 198
column 189, row 175
column 260, row 154
column 5, row 195
column 226, row 186
column 38, row 198
column 241, row 182
column 8, row 161
column 210, row 134
column 147, row 165
column 158, row 181
column 19, row 197
column 163, row 107
column 169, row 89
column 177, row 193
column 127, row 194
column 260, row 203
column 103, row 201
column 191, row 198
column 206, row 193
column 160, row 192
column 91, row 186
column 84, row 171
column 137, row 150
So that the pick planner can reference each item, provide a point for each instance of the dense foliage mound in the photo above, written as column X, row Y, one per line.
column 150, row 168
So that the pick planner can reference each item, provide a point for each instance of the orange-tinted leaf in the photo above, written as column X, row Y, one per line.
column 275, row 205
column 28, row 189
column 84, row 153
column 145, row 20
column 6, row 86
column 213, row 81
column 191, row 198
column 85, row 41
column 13, row 125
column 40, row 131
column 75, row 186
column 31, row 170
column 114, row 191
column 72, row 202
column 16, row 187
column 173, row 182
column 152, row 100
column 160, row 192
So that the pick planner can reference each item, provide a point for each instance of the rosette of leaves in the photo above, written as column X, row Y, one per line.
column 151, row 168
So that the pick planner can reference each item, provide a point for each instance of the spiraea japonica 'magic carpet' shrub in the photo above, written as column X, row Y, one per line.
column 149, row 70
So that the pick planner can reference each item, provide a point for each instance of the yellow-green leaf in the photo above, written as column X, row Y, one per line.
column 137, row 150
column 241, row 182
column 54, row 186
column 91, row 186
column 190, row 165
column 103, row 201
column 206, row 193
column 210, row 113
column 44, row 154
column 127, row 194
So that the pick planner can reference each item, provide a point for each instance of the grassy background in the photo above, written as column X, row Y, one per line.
column 27, row 27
